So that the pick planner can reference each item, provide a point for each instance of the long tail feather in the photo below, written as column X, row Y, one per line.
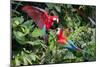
column 43, row 30
column 70, row 45
column 45, row 36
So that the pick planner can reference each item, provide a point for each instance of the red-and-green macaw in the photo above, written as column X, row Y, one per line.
column 61, row 39
column 40, row 17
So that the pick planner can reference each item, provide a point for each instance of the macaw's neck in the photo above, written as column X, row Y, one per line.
column 48, row 25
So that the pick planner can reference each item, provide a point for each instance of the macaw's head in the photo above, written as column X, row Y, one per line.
column 54, row 21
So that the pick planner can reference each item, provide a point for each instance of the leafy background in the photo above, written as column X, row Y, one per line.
column 28, row 46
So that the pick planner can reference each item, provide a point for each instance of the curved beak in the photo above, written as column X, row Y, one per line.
column 58, row 30
column 57, row 20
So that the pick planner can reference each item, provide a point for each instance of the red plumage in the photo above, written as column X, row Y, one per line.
column 39, row 16
column 60, row 38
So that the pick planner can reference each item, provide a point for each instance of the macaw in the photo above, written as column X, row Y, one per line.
column 40, row 17
column 63, row 40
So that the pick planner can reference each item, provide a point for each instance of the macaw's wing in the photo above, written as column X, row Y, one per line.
column 38, row 15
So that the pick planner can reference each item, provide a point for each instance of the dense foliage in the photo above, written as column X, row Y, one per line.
column 28, row 46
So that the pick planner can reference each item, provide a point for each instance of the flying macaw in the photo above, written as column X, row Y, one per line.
column 61, row 39
column 40, row 17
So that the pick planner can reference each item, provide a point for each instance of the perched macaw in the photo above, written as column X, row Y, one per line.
column 40, row 17
column 63, row 40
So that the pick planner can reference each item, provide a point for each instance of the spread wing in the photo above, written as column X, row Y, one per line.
column 38, row 15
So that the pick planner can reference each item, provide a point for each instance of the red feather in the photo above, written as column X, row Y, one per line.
column 61, row 39
column 39, row 16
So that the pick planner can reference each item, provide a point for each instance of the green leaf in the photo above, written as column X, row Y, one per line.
column 28, row 59
column 17, row 61
column 25, row 30
column 28, row 23
column 69, row 55
column 24, row 61
column 50, row 6
column 20, row 34
column 37, row 33
column 16, row 21
column 57, row 8
column 37, row 42
column 19, row 37
column 19, row 19
column 14, row 11
column 33, row 57
column 23, row 58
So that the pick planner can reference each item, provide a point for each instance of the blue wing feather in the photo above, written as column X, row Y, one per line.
column 45, row 36
column 43, row 30
column 70, row 45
